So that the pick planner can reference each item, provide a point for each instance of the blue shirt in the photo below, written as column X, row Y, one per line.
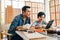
column 17, row 21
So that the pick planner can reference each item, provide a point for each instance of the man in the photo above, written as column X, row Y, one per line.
column 18, row 22
column 40, row 20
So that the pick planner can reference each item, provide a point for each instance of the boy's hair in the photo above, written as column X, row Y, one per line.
column 40, row 14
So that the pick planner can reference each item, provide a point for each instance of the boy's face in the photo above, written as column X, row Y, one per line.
column 41, row 18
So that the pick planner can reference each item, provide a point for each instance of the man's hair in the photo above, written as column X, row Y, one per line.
column 25, row 7
column 40, row 14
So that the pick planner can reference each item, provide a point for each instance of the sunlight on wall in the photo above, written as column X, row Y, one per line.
column 2, row 12
column 47, row 10
column 7, row 2
column 42, row 1
column 17, row 4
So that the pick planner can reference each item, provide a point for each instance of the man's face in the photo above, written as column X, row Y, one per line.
column 41, row 18
column 27, row 12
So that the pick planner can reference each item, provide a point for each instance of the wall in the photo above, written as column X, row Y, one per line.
column 0, row 11
column 46, row 2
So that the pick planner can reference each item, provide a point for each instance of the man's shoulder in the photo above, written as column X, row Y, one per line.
column 18, row 16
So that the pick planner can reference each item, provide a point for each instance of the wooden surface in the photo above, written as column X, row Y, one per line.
column 0, row 11
column 49, row 36
column 9, row 14
column 31, row 36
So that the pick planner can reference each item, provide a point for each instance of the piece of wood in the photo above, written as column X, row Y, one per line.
column 9, row 14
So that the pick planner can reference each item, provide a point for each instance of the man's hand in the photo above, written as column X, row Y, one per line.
column 20, row 28
column 37, row 27
column 32, row 29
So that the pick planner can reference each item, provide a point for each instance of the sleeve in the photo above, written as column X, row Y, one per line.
column 45, row 22
column 34, row 24
column 14, row 24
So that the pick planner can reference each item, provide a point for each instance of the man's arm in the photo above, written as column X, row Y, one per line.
column 14, row 24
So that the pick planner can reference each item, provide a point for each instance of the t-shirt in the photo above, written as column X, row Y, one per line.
column 36, row 23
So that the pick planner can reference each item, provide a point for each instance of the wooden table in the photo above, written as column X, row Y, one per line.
column 47, row 37
column 31, row 36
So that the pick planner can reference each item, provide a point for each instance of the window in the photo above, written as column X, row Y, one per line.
column 55, row 12
column 35, row 8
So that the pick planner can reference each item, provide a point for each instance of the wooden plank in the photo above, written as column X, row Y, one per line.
column 9, row 14
column 0, row 12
